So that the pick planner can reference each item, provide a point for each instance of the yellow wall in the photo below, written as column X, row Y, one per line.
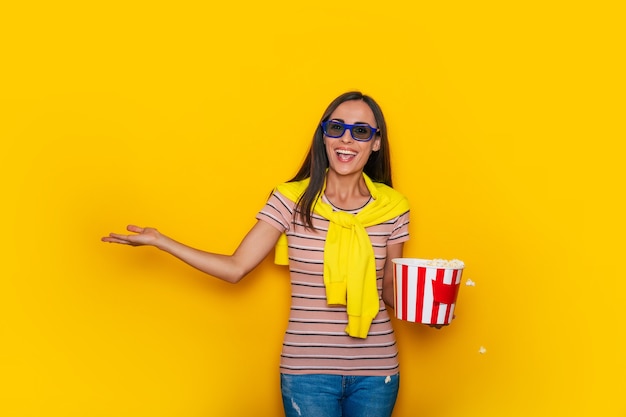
column 506, row 121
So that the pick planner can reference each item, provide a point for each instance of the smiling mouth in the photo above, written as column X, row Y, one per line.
column 345, row 155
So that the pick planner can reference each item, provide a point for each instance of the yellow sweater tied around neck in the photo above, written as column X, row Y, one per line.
column 349, row 264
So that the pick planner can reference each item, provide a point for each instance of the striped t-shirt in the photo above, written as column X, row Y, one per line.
column 315, row 341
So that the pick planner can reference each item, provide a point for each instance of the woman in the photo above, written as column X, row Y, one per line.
column 337, row 223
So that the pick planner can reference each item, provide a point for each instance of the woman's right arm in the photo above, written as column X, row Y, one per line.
column 254, row 247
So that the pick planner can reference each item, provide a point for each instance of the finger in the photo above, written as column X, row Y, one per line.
column 127, row 239
column 113, row 239
column 135, row 229
column 119, row 236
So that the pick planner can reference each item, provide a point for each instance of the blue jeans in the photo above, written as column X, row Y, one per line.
column 339, row 396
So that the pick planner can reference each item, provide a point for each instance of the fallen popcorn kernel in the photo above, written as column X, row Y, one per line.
column 470, row 283
column 482, row 350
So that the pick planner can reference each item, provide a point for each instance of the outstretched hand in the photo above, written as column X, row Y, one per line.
column 143, row 236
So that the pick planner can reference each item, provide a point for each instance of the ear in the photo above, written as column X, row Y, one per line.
column 376, row 145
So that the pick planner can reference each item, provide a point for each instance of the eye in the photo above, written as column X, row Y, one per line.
column 335, row 127
column 361, row 130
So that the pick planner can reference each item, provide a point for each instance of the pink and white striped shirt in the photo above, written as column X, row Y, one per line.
column 315, row 341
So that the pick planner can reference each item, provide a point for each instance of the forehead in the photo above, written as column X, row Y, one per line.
column 354, row 111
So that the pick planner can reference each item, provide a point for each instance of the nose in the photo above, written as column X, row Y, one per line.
column 347, row 136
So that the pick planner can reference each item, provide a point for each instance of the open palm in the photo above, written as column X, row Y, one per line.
column 142, row 236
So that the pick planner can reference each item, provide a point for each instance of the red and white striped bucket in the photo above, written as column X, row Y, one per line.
column 425, row 291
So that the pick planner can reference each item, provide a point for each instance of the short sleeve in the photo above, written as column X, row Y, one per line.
column 278, row 212
column 400, row 232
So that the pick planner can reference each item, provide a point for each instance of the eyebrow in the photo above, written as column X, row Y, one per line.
column 355, row 123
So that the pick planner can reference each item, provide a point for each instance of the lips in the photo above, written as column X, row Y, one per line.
column 345, row 155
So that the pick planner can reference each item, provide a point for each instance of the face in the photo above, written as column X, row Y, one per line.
column 346, row 155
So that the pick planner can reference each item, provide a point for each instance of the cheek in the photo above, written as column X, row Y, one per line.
column 328, row 150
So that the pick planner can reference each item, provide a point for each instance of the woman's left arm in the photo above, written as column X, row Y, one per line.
column 393, row 251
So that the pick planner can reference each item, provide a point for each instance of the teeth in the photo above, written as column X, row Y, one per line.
column 345, row 152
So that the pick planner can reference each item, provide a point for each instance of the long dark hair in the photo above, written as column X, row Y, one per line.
column 378, row 166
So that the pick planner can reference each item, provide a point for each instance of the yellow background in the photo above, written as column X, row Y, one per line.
column 506, row 120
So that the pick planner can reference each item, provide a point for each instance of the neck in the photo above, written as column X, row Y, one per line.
column 348, row 191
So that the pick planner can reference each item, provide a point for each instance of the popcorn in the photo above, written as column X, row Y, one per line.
column 443, row 263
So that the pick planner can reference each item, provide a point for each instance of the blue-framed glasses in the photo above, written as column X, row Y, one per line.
column 359, row 131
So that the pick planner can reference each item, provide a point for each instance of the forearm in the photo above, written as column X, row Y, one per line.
column 231, row 268
column 388, row 297
column 217, row 265
column 393, row 251
column 255, row 246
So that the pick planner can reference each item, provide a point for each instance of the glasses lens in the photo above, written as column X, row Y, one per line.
column 334, row 129
column 362, row 132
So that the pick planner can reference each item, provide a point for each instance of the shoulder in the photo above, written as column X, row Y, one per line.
column 387, row 190
column 292, row 190
column 383, row 191
column 391, row 195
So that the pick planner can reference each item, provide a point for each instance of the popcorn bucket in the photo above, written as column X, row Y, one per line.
column 425, row 291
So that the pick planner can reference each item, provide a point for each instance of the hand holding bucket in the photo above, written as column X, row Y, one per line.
column 425, row 291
